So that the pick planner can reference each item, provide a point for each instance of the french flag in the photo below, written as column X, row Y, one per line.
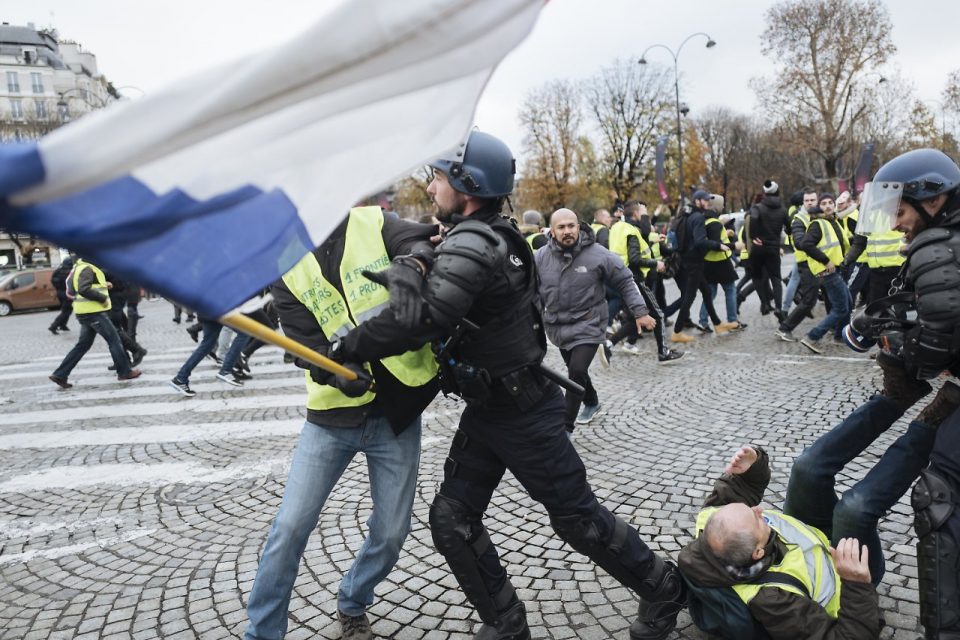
column 212, row 189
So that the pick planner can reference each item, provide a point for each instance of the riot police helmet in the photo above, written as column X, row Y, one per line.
column 914, row 176
column 482, row 166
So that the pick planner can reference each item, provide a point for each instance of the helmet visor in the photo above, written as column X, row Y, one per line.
column 878, row 207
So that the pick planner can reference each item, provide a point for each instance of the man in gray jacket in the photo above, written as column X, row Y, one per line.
column 574, row 271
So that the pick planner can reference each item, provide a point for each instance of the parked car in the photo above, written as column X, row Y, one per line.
column 24, row 290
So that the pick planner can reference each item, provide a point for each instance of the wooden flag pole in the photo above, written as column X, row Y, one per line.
column 251, row 327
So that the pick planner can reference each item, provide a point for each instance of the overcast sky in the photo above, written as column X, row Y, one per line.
column 149, row 43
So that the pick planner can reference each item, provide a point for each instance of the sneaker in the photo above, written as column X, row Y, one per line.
column 702, row 328
column 632, row 349
column 680, row 337
column 724, row 327
column 671, row 355
column 942, row 406
column 194, row 331
column 740, row 326
column 354, row 627
column 177, row 320
column 214, row 357
column 812, row 344
column 183, row 388
column 240, row 374
column 53, row 330
column 137, row 356
column 134, row 373
column 243, row 362
column 604, row 352
column 588, row 413
column 230, row 379
column 786, row 336
column 60, row 382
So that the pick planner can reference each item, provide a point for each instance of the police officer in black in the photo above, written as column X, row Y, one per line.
column 918, row 193
column 477, row 301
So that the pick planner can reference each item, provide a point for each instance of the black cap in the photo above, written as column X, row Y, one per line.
column 700, row 194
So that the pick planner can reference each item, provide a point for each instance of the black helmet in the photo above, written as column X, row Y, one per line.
column 924, row 173
column 482, row 166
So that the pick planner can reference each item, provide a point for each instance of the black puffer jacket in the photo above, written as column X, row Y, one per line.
column 768, row 219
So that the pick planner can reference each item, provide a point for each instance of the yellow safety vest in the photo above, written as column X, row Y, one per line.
column 713, row 255
column 883, row 250
column 82, row 305
column 596, row 226
column 530, row 238
column 745, row 252
column 799, row 256
column 808, row 560
column 830, row 244
column 654, row 241
column 363, row 250
column 619, row 233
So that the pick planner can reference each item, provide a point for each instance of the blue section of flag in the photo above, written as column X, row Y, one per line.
column 209, row 255
column 20, row 167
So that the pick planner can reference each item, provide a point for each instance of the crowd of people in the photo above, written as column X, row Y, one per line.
column 466, row 308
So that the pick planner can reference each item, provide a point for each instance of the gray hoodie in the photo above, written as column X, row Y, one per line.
column 573, row 286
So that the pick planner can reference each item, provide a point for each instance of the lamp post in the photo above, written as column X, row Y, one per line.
column 84, row 94
column 676, row 87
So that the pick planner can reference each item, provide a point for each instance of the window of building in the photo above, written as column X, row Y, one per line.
column 36, row 80
column 41, row 107
column 13, row 82
column 16, row 109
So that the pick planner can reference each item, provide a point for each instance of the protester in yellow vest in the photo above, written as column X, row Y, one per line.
column 601, row 227
column 531, row 228
column 318, row 301
column 781, row 563
column 91, row 304
column 798, row 226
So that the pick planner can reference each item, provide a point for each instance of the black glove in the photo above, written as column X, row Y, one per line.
column 404, row 279
column 353, row 388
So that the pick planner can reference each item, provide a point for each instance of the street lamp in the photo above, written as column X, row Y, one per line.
column 676, row 86
column 84, row 94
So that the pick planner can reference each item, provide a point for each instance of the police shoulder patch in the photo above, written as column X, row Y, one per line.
column 517, row 262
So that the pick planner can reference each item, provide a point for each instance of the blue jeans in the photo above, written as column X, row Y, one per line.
column 92, row 324
column 729, row 294
column 792, row 285
column 839, row 297
column 211, row 331
column 614, row 304
column 233, row 353
column 811, row 494
column 321, row 457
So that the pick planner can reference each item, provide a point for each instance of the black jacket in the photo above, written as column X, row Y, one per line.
column 397, row 402
column 768, row 219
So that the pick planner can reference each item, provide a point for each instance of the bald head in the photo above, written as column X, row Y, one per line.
column 565, row 227
column 737, row 534
column 603, row 217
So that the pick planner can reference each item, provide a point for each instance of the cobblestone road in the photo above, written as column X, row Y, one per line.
column 126, row 511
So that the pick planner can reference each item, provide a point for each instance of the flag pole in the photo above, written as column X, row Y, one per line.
column 260, row 331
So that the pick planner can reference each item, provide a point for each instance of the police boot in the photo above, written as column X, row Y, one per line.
column 943, row 404
column 661, row 604
column 511, row 624
column 898, row 385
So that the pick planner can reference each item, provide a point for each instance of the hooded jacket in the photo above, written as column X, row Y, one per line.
column 768, row 219
column 572, row 289
column 784, row 615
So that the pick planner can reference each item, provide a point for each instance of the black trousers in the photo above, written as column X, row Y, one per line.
column 628, row 328
column 694, row 282
column 808, row 291
column 765, row 271
column 534, row 446
column 578, row 361
column 879, row 283
column 66, row 308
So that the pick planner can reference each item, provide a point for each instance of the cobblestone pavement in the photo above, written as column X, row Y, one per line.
column 126, row 511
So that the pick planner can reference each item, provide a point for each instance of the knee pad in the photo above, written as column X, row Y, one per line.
column 601, row 532
column 938, row 553
column 453, row 526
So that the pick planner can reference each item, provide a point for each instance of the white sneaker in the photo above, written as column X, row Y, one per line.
column 230, row 379
column 632, row 349
column 604, row 352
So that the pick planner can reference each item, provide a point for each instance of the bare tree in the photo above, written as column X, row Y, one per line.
column 820, row 91
column 551, row 117
column 411, row 199
column 631, row 105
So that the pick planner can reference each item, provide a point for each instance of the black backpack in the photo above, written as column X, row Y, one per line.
column 719, row 611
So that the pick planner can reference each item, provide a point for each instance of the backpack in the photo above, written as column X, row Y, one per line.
column 719, row 611
column 679, row 228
